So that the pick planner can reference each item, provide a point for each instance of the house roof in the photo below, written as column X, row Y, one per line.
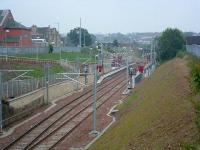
column 15, row 24
column 42, row 29
column 3, row 14
column 7, row 20
column 193, row 40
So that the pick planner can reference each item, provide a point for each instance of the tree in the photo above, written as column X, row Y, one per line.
column 86, row 38
column 115, row 43
column 170, row 42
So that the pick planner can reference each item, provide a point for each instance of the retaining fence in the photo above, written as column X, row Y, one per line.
column 15, row 88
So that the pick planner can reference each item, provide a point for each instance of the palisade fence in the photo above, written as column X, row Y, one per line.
column 193, row 49
column 16, row 88
column 13, row 51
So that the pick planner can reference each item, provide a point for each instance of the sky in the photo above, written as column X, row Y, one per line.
column 107, row 16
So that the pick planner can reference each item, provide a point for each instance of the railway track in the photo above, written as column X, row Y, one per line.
column 51, row 130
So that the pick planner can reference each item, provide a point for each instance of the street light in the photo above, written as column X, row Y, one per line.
column 7, row 31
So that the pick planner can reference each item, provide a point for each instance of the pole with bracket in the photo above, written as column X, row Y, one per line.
column 94, row 132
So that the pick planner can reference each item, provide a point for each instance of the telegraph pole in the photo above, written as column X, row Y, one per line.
column 84, row 38
column 80, row 34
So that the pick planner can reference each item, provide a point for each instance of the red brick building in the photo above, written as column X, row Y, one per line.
column 13, row 33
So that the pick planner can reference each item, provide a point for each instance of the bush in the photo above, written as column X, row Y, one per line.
column 170, row 43
column 181, row 54
column 50, row 48
column 195, row 74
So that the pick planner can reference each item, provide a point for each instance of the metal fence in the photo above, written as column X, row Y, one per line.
column 13, row 51
column 15, row 88
column 193, row 49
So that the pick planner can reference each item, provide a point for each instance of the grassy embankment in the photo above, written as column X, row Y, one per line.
column 38, row 70
column 158, row 115
column 194, row 65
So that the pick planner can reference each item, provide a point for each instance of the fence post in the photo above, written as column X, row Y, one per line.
column 12, row 89
column 46, row 70
column 78, row 71
column 7, row 89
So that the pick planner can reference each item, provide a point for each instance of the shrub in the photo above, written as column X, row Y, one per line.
column 195, row 74
column 50, row 48
column 181, row 54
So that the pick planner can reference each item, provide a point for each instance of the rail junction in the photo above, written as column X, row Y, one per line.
column 68, row 124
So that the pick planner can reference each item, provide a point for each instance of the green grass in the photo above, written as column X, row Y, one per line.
column 158, row 113
column 38, row 70
column 194, row 64
column 70, row 56
column 128, row 103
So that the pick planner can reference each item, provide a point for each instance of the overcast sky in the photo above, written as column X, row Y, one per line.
column 108, row 16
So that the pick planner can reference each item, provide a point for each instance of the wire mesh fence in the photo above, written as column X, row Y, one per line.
column 16, row 88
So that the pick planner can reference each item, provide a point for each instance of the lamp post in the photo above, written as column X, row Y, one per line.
column 7, row 31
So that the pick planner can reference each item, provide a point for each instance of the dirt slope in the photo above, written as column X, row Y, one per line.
column 159, row 114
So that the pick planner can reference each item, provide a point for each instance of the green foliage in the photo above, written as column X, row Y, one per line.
column 115, row 43
column 181, row 54
column 195, row 74
column 197, row 121
column 170, row 42
column 189, row 147
column 56, row 69
column 50, row 48
column 89, row 51
column 86, row 38
column 194, row 65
